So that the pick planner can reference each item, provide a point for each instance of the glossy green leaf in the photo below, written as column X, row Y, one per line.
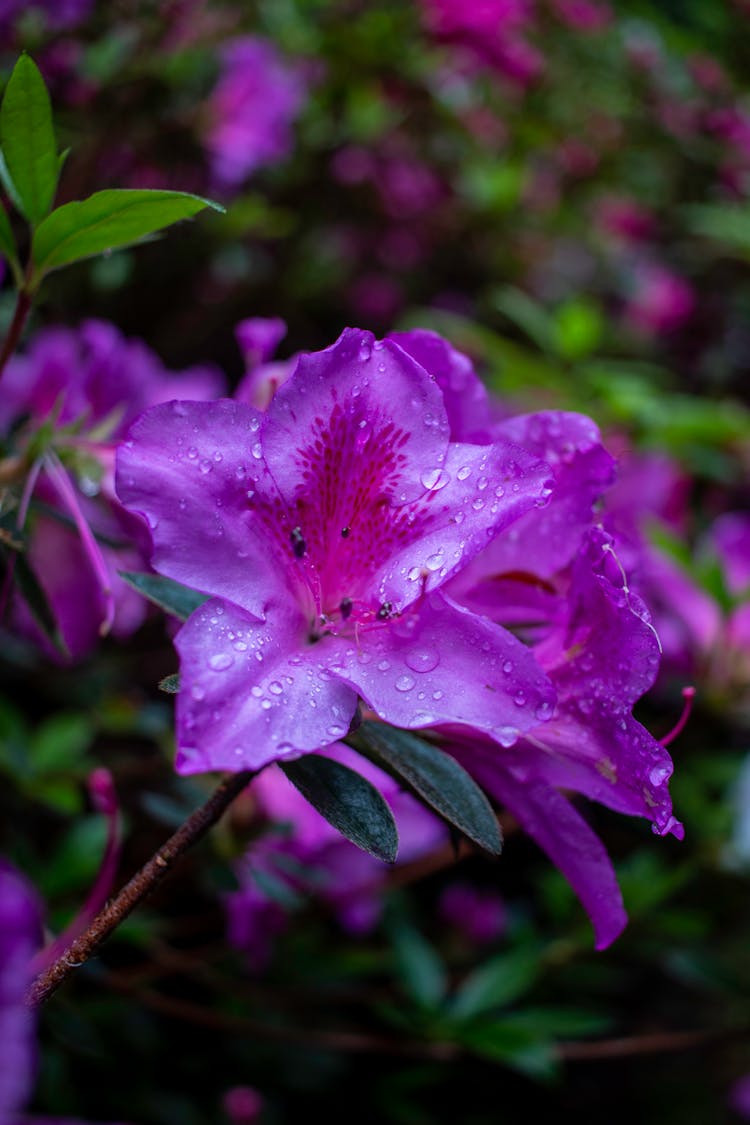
column 437, row 779
column 170, row 596
column 27, row 137
column 108, row 220
column 421, row 970
column 347, row 801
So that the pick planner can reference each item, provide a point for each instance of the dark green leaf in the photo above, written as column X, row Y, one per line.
column 106, row 221
column 170, row 596
column 33, row 594
column 347, row 801
column 437, row 779
column 513, row 1044
column 170, row 684
column 28, row 140
column 61, row 742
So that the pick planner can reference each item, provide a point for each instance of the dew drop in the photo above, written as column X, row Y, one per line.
column 463, row 472
column 404, row 683
column 434, row 479
column 275, row 687
column 197, row 692
column 220, row 661
column 423, row 659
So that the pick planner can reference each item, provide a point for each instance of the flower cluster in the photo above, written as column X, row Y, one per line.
column 65, row 404
column 379, row 534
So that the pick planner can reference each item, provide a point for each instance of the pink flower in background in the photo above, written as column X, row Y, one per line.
column 251, row 110
column 584, row 15
column 661, row 301
column 625, row 218
column 492, row 33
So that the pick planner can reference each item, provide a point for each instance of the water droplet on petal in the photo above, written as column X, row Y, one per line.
column 275, row 687
column 434, row 479
column 220, row 661
column 659, row 774
column 197, row 692
column 506, row 736
column 463, row 472
column 508, row 667
column 404, row 683
column 423, row 659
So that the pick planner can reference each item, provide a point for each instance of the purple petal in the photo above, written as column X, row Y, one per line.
column 465, row 395
column 731, row 536
column 20, row 932
column 194, row 470
column 561, row 832
column 546, row 539
column 252, row 693
column 358, row 420
column 442, row 664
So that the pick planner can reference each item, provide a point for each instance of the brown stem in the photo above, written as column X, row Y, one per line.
column 23, row 306
column 141, row 885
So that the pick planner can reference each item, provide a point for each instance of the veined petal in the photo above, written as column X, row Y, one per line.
column 560, row 831
column 480, row 491
column 441, row 664
column 466, row 400
column 195, row 471
column 253, row 692
column 20, row 933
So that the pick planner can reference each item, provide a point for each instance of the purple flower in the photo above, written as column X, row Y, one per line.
column 325, row 529
column 258, row 338
column 20, row 935
column 251, row 109
column 662, row 300
column 305, row 856
column 601, row 652
column 492, row 33
column 479, row 915
column 94, row 382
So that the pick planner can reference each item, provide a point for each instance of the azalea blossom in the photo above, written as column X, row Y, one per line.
column 324, row 531
column 89, row 383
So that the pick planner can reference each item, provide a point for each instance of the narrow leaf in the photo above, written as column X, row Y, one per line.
column 170, row 596
column 496, row 983
column 422, row 972
column 436, row 778
column 347, row 801
column 33, row 594
column 170, row 684
column 27, row 136
column 108, row 220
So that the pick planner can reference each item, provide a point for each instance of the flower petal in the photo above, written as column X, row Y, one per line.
column 193, row 470
column 252, row 693
column 441, row 664
column 561, row 832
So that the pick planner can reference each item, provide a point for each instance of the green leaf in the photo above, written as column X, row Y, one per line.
column 496, row 983
column 61, row 742
column 510, row 1042
column 347, row 801
column 106, row 221
column 436, row 779
column 170, row 684
column 27, row 136
column 421, row 970
column 170, row 596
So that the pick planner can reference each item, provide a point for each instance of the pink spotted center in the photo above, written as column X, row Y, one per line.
column 347, row 519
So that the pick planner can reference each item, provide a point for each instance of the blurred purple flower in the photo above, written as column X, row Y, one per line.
column 250, row 111
column 492, row 32
column 94, row 382
column 324, row 529
column 584, row 15
column 478, row 914
column 661, row 300
column 20, row 937
column 258, row 338
column 739, row 1097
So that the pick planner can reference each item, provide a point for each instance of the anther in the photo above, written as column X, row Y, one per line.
column 345, row 608
column 345, row 532
column 385, row 611
column 298, row 543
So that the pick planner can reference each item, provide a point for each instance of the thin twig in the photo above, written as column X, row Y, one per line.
column 141, row 885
